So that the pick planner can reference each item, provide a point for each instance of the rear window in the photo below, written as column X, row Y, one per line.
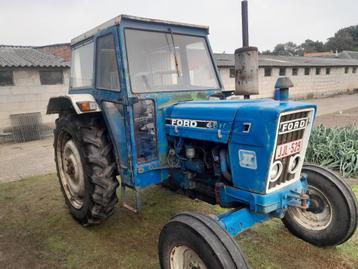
column 82, row 66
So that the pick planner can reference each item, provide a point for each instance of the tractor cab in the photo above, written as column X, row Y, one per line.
column 135, row 69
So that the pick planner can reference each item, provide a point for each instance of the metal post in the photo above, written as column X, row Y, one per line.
column 245, row 24
column 245, row 29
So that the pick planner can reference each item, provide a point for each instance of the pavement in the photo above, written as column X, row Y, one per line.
column 27, row 159
column 33, row 158
column 335, row 104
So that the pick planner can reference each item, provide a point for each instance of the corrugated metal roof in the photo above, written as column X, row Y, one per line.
column 287, row 61
column 13, row 56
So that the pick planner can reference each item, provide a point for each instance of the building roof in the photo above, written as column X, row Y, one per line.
column 20, row 56
column 223, row 59
column 117, row 21
column 319, row 54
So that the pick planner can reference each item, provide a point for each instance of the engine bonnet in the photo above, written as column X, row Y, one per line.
column 216, row 120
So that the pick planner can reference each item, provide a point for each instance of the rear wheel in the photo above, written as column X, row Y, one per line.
column 332, row 216
column 195, row 241
column 85, row 167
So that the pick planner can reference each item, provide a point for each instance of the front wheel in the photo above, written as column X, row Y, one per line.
column 332, row 216
column 195, row 241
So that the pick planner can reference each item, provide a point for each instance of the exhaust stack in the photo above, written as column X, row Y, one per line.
column 246, row 61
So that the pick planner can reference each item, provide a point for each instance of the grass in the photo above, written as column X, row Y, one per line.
column 36, row 231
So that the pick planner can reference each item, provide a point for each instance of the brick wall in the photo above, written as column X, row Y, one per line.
column 59, row 50
column 311, row 85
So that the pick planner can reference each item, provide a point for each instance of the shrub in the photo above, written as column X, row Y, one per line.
column 335, row 148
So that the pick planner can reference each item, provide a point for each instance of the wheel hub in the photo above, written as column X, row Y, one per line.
column 183, row 257
column 317, row 204
column 70, row 169
column 318, row 216
column 72, row 175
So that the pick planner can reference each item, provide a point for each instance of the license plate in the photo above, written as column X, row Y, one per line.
column 288, row 149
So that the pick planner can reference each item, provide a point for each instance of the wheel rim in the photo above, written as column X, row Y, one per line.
column 183, row 257
column 71, row 174
column 318, row 216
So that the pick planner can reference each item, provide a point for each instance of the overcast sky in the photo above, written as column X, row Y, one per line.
column 42, row 22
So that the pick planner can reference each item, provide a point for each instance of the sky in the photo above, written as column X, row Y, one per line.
column 43, row 22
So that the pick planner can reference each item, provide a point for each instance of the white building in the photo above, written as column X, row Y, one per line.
column 311, row 76
column 28, row 78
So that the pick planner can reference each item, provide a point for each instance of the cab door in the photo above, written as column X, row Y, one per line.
column 113, row 99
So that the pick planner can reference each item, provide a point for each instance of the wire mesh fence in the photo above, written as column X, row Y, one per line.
column 26, row 126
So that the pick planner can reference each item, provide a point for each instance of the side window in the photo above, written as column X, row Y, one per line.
column 51, row 77
column 106, row 66
column 82, row 66
column 6, row 78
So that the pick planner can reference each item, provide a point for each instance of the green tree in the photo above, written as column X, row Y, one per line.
column 313, row 46
column 344, row 39
column 266, row 52
column 287, row 49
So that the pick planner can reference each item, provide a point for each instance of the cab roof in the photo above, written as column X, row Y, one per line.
column 117, row 20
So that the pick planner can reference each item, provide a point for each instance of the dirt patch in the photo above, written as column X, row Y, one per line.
column 342, row 118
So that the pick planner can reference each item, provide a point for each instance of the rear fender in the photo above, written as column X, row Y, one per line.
column 70, row 103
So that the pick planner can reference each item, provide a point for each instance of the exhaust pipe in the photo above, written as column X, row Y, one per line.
column 246, row 61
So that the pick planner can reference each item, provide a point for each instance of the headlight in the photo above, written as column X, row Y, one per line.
column 276, row 170
column 294, row 164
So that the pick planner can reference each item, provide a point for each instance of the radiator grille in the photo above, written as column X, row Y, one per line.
column 285, row 138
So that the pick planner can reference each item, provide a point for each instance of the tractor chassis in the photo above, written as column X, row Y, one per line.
column 260, row 207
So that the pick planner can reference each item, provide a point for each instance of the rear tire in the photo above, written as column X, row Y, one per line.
column 192, row 240
column 332, row 219
column 85, row 167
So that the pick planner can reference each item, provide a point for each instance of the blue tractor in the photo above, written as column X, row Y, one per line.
column 146, row 104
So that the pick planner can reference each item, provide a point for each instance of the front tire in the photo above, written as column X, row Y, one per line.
column 85, row 167
column 332, row 217
column 193, row 241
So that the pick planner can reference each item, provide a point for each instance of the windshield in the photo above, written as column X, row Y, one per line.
column 168, row 62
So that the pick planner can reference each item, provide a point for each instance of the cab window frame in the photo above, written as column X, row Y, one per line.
column 96, row 62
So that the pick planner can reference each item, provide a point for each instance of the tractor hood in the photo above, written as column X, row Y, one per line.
column 217, row 120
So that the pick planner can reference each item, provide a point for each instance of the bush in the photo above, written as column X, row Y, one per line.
column 335, row 148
